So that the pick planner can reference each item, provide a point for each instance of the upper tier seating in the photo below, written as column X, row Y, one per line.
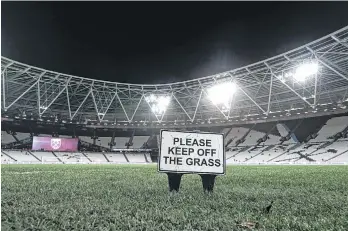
column 121, row 142
column 272, row 140
column 331, row 127
column 6, row 138
column 250, row 139
column 103, row 142
column 21, row 136
column 86, row 139
column 235, row 134
column 138, row 141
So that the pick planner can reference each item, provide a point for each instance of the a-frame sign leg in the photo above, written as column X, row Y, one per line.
column 174, row 180
column 208, row 182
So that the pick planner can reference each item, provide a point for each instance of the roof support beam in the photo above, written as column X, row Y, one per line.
column 329, row 65
column 55, row 98
column 182, row 107
column 6, row 66
column 81, row 104
column 136, row 109
column 25, row 92
column 290, row 88
column 270, row 94
column 125, row 113
column 246, row 94
column 20, row 73
column 339, row 41
column 199, row 100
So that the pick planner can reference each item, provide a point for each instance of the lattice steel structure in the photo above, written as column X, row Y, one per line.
column 263, row 90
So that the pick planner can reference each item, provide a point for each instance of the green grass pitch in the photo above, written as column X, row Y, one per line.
column 136, row 197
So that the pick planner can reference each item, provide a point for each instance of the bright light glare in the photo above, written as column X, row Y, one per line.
column 222, row 94
column 158, row 104
column 306, row 70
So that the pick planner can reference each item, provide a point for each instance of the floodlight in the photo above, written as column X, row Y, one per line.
column 222, row 94
column 305, row 70
column 150, row 98
column 158, row 104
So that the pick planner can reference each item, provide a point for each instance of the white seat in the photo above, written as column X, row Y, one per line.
column 332, row 127
column 121, row 142
column 139, row 141
column 136, row 158
column 116, row 158
column 6, row 138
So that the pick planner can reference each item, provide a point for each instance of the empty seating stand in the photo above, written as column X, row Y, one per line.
column 116, row 158
column 21, row 136
column 138, row 141
column 320, row 150
column 86, row 139
column 6, row 138
column 234, row 135
column 96, row 157
column 136, row 158
column 121, row 142
column 252, row 137
column 72, row 157
column 31, row 157
column 103, row 142
column 332, row 127
column 22, row 157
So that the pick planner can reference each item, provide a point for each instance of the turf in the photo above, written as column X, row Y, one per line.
column 135, row 197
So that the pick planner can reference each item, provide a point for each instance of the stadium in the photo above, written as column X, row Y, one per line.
column 101, row 140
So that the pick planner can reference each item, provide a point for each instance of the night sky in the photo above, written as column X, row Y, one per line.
column 159, row 42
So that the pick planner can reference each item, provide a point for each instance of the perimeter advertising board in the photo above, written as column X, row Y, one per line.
column 54, row 144
column 191, row 152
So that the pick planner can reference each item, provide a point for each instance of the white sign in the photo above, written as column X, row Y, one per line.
column 189, row 152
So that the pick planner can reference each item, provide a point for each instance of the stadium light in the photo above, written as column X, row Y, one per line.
column 222, row 94
column 305, row 70
column 158, row 104
column 301, row 73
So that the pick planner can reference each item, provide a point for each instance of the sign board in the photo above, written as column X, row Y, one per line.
column 191, row 152
column 54, row 144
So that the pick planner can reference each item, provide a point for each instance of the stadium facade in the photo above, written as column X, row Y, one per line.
column 290, row 108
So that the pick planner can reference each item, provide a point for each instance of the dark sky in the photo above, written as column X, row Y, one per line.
column 159, row 42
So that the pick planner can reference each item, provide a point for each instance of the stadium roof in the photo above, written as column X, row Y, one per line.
column 308, row 80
